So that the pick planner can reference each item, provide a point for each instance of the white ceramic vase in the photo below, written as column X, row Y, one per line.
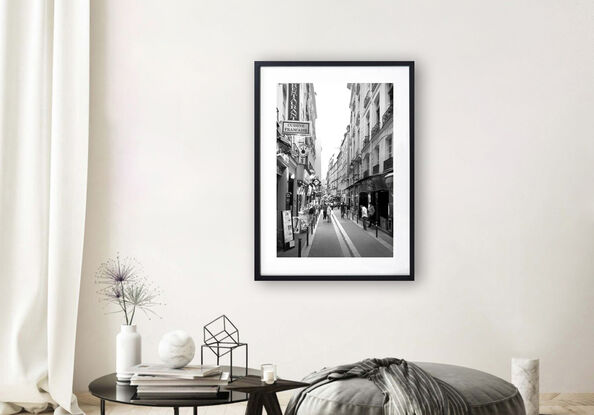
column 128, row 351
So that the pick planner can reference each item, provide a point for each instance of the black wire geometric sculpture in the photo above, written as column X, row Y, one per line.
column 221, row 330
column 221, row 337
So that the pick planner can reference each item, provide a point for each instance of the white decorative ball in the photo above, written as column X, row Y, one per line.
column 176, row 349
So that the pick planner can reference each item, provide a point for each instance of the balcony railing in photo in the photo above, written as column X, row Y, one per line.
column 388, row 114
column 367, row 99
column 388, row 163
column 375, row 130
column 376, row 169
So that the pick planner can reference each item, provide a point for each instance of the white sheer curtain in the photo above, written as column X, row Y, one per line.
column 44, row 95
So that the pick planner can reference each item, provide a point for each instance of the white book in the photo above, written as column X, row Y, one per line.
column 173, row 396
column 187, row 372
column 152, row 380
column 176, row 389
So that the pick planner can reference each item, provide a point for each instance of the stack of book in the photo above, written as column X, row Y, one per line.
column 157, row 382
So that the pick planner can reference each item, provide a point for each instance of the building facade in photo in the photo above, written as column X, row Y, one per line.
column 342, row 169
column 369, row 151
column 298, row 155
column 332, row 178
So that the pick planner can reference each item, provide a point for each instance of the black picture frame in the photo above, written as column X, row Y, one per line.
column 258, row 65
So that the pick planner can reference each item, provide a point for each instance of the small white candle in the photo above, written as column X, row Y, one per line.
column 268, row 376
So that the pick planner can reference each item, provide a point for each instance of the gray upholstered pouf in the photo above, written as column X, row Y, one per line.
column 485, row 394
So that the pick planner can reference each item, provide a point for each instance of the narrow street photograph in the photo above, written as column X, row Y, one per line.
column 334, row 166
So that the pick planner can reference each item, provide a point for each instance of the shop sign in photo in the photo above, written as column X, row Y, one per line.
column 287, row 226
column 296, row 128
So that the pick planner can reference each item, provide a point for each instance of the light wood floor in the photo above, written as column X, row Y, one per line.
column 567, row 403
column 550, row 403
column 90, row 405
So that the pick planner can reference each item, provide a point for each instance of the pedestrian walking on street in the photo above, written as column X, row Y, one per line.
column 371, row 214
column 342, row 210
column 329, row 212
column 364, row 216
column 324, row 211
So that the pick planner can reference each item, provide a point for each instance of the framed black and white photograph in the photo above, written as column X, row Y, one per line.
column 334, row 170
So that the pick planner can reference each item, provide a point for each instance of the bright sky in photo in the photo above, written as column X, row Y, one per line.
column 332, row 103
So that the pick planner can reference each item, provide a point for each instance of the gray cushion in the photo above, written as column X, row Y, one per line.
column 485, row 394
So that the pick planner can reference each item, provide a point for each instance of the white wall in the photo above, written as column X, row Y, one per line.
column 504, row 177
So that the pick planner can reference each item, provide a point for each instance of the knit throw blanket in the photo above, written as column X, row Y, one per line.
column 408, row 389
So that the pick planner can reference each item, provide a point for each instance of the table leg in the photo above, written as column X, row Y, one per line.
column 271, row 404
column 102, row 407
column 195, row 410
column 175, row 410
column 255, row 404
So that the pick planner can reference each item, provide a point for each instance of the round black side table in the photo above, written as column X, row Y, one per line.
column 106, row 388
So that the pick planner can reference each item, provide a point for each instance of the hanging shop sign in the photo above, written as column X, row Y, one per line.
column 293, row 102
column 296, row 127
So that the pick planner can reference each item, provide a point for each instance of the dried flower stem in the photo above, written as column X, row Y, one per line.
column 123, row 285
